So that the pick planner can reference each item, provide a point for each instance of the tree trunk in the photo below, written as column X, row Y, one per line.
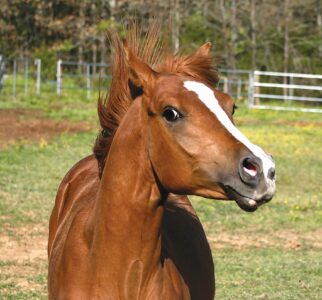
column 102, row 38
column 224, row 29
column 94, row 45
column 253, row 32
column 286, row 42
column 94, row 58
column 286, row 35
column 233, row 34
column 319, row 25
column 175, row 25
column 80, row 27
column 112, row 4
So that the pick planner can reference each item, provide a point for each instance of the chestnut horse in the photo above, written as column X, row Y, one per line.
column 119, row 229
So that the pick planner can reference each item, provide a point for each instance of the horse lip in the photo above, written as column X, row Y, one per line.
column 244, row 202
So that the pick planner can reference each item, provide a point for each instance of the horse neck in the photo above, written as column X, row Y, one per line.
column 129, row 211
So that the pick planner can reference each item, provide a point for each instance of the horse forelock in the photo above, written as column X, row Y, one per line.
column 122, row 92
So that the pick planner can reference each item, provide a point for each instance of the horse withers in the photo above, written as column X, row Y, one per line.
column 119, row 228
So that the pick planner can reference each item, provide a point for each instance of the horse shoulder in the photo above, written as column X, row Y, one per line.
column 68, row 241
column 82, row 175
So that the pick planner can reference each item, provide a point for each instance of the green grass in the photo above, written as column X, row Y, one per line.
column 268, row 274
column 72, row 106
column 33, row 172
column 274, row 253
column 30, row 175
column 71, row 83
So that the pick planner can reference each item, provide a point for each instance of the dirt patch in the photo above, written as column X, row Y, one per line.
column 28, row 125
column 23, row 264
column 280, row 122
column 23, row 260
column 298, row 123
column 29, row 245
column 23, row 256
column 285, row 239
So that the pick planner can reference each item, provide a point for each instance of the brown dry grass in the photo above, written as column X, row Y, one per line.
column 29, row 125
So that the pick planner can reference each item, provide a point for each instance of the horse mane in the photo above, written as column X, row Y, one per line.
column 196, row 66
column 122, row 91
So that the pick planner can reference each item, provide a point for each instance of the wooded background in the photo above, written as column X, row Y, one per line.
column 246, row 34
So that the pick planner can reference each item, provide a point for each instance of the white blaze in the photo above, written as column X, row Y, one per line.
column 207, row 96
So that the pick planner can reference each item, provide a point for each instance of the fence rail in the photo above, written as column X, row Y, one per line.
column 235, row 82
column 284, row 97
column 289, row 86
column 282, row 74
column 75, row 70
column 20, row 75
column 301, row 92
column 307, row 94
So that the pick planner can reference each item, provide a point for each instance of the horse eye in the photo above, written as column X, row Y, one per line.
column 234, row 108
column 171, row 114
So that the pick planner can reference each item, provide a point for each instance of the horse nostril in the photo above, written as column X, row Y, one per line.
column 271, row 173
column 249, row 167
column 250, row 170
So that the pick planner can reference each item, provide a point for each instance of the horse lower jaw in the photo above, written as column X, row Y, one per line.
column 245, row 203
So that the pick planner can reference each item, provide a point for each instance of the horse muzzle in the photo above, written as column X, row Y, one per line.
column 255, row 185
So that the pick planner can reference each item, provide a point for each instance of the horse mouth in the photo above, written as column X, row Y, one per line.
column 244, row 202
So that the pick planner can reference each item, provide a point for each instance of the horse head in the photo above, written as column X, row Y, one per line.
column 192, row 142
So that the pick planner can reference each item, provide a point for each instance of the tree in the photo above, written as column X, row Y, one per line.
column 247, row 34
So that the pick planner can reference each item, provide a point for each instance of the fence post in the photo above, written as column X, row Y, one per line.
column 250, row 89
column 2, row 71
column 239, row 85
column 88, row 81
column 291, row 90
column 59, row 79
column 14, row 78
column 38, row 63
column 26, row 75
column 256, row 88
column 285, row 91
column 226, row 85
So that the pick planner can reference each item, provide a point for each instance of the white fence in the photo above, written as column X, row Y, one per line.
column 286, row 91
column 235, row 83
column 20, row 75
column 263, row 90
column 85, row 76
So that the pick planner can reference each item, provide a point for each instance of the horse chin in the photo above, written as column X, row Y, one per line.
column 245, row 203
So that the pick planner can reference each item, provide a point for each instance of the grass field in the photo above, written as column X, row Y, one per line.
column 274, row 253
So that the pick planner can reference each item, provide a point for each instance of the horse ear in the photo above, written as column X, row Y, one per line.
column 141, row 74
column 204, row 50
